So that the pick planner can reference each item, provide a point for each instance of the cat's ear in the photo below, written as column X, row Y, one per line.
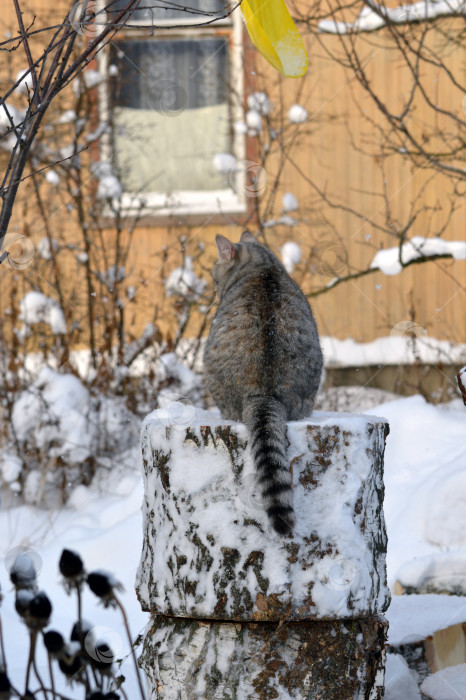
column 247, row 237
column 226, row 249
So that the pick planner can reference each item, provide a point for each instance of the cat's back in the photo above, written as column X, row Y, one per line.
column 263, row 339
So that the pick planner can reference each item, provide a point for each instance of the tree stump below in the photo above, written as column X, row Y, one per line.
column 331, row 660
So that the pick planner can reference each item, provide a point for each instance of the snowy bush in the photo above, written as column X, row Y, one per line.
column 64, row 433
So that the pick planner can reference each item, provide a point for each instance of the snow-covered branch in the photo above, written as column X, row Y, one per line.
column 392, row 260
column 373, row 16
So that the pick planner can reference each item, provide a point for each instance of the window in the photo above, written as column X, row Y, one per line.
column 174, row 96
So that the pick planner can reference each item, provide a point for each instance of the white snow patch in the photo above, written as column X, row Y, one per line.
column 67, row 117
column 447, row 684
column 240, row 127
column 446, row 524
column 424, row 450
column 284, row 220
column 109, row 186
column 423, row 441
column 183, row 281
column 253, row 121
column 82, row 257
column 412, row 618
column 43, row 248
column 388, row 261
column 289, row 202
column 10, row 467
column 400, row 681
column 92, row 78
column 35, row 307
column 442, row 571
column 26, row 83
column 259, row 102
column 52, row 177
column 399, row 348
column 10, row 117
column 113, row 275
column 297, row 114
column 291, row 255
column 102, row 127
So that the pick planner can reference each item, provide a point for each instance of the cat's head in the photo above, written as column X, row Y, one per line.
column 229, row 255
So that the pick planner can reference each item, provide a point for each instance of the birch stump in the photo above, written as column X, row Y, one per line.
column 238, row 611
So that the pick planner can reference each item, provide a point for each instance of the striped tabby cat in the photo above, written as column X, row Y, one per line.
column 262, row 361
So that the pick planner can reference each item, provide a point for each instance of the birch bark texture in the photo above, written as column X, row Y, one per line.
column 239, row 611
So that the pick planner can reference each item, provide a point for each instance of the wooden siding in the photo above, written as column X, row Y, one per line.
column 329, row 150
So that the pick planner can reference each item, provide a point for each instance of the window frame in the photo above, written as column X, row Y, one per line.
column 182, row 203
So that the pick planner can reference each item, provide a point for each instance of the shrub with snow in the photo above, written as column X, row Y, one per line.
column 60, row 426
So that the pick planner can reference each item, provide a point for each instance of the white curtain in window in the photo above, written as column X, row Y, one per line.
column 165, row 154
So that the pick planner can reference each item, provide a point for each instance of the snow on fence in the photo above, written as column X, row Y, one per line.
column 237, row 610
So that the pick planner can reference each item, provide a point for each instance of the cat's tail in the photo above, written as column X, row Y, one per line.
column 265, row 418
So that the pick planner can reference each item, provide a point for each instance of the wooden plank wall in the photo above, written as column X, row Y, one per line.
column 334, row 150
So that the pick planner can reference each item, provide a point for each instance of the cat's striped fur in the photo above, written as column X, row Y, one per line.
column 262, row 361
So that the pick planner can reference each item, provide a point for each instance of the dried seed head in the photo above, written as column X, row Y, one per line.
column 23, row 572
column 5, row 686
column 40, row 609
column 22, row 601
column 71, row 566
column 80, row 631
column 54, row 642
column 103, row 585
column 71, row 662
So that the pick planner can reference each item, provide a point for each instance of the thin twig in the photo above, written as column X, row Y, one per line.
column 133, row 653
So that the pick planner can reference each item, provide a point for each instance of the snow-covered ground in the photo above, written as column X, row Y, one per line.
column 425, row 477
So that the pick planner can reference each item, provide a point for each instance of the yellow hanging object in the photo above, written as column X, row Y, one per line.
column 274, row 33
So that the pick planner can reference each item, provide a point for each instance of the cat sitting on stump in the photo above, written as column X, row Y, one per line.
column 262, row 360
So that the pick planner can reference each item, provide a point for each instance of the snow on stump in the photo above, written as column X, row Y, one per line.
column 215, row 576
